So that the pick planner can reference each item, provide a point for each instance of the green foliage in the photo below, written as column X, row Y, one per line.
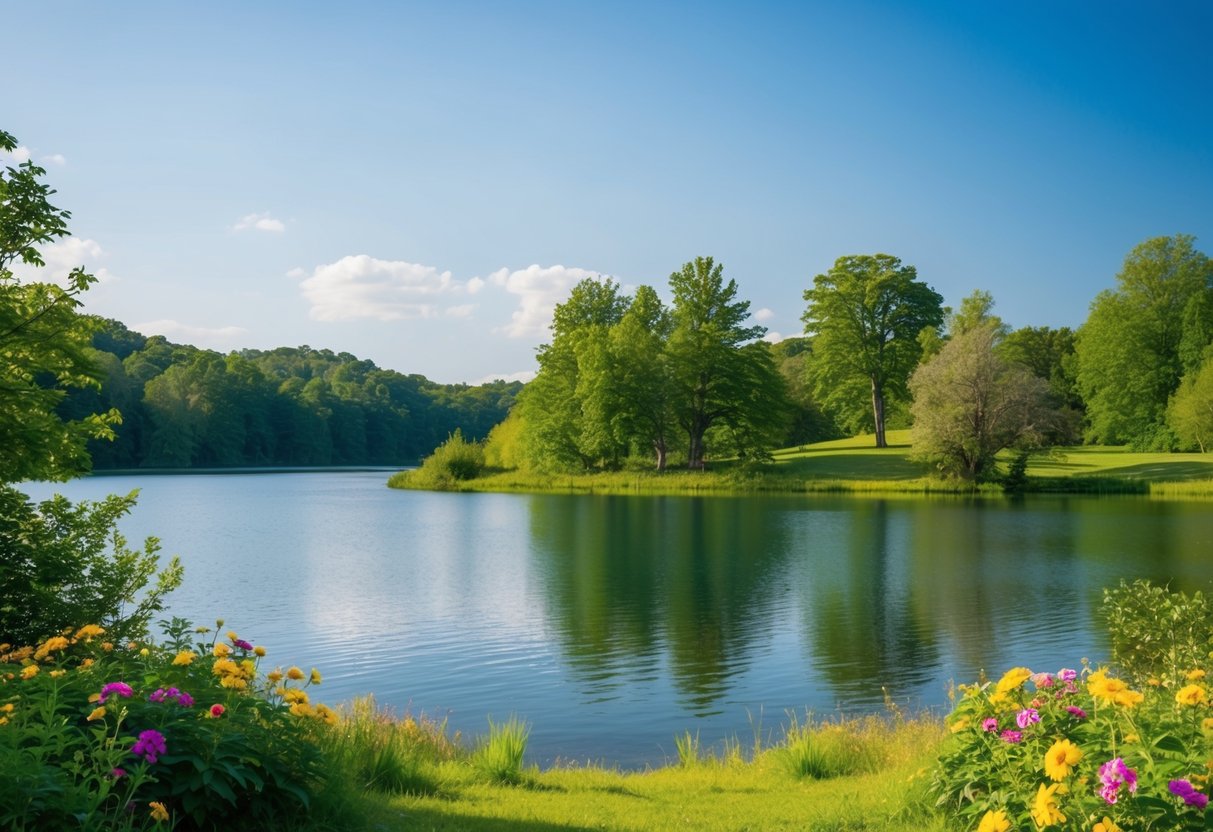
column 65, row 565
column 499, row 758
column 1156, row 632
column 383, row 754
column 866, row 314
column 1073, row 749
column 1129, row 350
column 503, row 445
column 1190, row 410
column 686, row 745
column 969, row 404
column 43, row 341
column 195, row 727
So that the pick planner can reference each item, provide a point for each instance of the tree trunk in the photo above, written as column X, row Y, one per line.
column 878, row 413
column 659, row 449
column 695, row 454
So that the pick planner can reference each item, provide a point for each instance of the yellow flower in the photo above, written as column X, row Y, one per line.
column 294, row 673
column 231, row 635
column 1115, row 691
column 234, row 682
column 959, row 725
column 88, row 632
column 302, row 709
column 221, row 650
column 1012, row 679
column 1061, row 758
column 259, row 651
column 295, row 695
column 55, row 674
column 1191, row 695
column 274, row 676
column 327, row 714
column 315, row 679
column 248, row 668
column 86, row 663
column 1195, row 675
column 98, row 713
column 94, row 697
column 994, row 820
column 145, row 652
column 218, row 622
column 107, row 646
column 225, row 667
column 50, row 646
column 30, row 671
column 1106, row 825
column 1153, row 682
column 1206, row 724
column 1128, row 698
column 8, row 708
column 1044, row 808
column 159, row 813
column 185, row 657
column 202, row 629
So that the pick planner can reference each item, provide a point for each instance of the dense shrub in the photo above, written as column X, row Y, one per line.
column 65, row 566
column 98, row 735
column 454, row 460
column 1157, row 632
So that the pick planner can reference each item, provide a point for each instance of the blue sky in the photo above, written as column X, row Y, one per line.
column 418, row 183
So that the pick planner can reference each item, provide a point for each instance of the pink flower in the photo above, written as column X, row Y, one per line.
column 1042, row 680
column 1185, row 790
column 217, row 710
column 1067, row 675
column 989, row 724
column 1026, row 717
column 1011, row 736
column 1076, row 712
column 150, row 746
column 1113, row 774
column 120, row 688
column 117, row 773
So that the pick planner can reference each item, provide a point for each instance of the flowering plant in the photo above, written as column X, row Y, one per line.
column 1078, row 751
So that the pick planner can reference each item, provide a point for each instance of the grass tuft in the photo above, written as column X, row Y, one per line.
column 499, row 758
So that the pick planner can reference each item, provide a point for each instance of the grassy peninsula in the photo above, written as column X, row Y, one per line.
column 856, row 466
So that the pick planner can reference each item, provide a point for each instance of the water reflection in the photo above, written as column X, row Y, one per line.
column 632, row 583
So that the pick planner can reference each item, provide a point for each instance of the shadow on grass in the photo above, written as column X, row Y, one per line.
column 856, row 466
column 1159, row 472
column 427, row 819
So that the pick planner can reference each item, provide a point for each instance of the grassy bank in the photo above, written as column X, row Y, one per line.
column 855, row 466
column 858, row 775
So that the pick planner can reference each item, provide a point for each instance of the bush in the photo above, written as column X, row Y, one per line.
column 65, row 566
column 825, row 751
column 1156, row 632
column 98, row 735
column 499, row 758
column 454, row 460
column 1078, row 751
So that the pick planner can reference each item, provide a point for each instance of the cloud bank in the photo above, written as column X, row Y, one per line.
column 539, row 289
column 360, row 287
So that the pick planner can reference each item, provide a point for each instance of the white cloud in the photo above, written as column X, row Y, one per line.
column 360, row 287
column 187, row 333
column 259, row 222
column 296, row 273
column 522, row 375
column 539, row 289
column 773, row 337
column 56, row 159
column 764, row 314
column 61, row 257
column 18, row 155
column 464, row 310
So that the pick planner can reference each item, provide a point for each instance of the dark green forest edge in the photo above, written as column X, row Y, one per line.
column 633, row 396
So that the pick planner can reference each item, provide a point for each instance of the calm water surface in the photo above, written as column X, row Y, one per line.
column 614, row 623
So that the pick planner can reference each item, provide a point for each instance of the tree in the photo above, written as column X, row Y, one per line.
column 866, row 314
column 1190, row 411
column 718, row 378
column 43, row 340
column 969, row 404
column 1129, row 349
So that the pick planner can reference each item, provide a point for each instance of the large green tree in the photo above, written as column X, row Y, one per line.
column 866, row 314
column 1131, row 350
column 44, row 342
column 720, row 374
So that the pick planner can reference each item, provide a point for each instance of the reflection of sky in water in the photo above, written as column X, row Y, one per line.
column 613, row 624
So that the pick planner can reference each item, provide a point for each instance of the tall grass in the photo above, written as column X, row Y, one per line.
column 499, row 757
column 826, row 750
column 687, row 746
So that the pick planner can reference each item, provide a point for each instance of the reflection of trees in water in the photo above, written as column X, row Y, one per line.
column 627, row 577
column 859, row 603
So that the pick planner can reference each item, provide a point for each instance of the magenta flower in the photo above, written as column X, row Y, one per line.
column 120, row 688
column 1011, row 736
column 1042, row 680
column 989, row 724
column 1185, row 790
column 117, row 773
column 150, row 746
column 1026, row 717
column 1113, row 774
column 1076, row 712
column 1067, row 675
column 172, row 694
column 242, row 644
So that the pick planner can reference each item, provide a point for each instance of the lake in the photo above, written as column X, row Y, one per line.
column 614, row 623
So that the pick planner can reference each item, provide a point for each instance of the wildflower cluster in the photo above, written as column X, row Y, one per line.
column 156, row 734
column 1077, row 750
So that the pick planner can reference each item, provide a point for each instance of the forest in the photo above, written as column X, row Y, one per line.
column 185, row 407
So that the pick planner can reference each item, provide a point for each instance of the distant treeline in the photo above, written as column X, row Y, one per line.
column 186, row 407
